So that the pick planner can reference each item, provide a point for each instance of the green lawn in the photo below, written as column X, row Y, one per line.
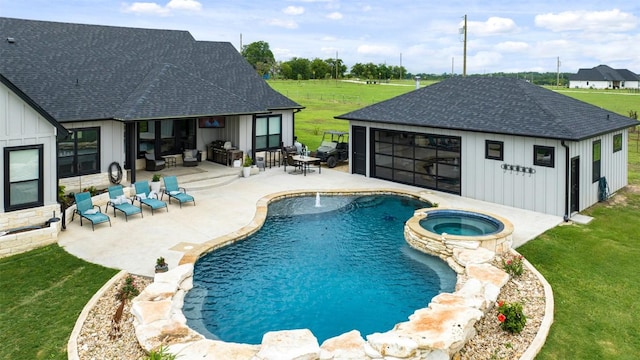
column 592, row 268
column 43, row 292
column 324, row 99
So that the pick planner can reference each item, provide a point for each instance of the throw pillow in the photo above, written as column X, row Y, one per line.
column 91, row 212
column 175, row 192
column 141, row 196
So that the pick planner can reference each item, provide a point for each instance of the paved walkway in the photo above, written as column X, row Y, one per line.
column 226, row 202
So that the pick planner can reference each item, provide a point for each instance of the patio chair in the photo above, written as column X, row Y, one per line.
column 297, row 165
column 119, row 201
column 172, row 189
column 151, row 163
column 86, row 209
column 190, row 157
column 145, row 196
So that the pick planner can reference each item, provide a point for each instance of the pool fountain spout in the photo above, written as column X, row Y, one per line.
column 318, row 200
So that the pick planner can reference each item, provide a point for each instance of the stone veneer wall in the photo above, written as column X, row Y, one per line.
column 100, row 181
column 24, row 241
column 433, row 333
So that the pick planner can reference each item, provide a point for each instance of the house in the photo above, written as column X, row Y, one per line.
column 500, row 140
column 604, row 77
column 125, row 92
column 29, row 195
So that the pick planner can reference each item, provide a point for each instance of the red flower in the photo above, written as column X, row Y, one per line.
column 501, row 318
column 500, row 303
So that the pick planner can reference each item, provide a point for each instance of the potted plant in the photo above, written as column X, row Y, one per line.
column 161, row 265
column 155, row 183
column 246, row 166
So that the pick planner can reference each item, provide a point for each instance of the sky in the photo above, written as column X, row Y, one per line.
column 424, row 36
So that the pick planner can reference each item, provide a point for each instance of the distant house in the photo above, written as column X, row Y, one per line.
column 604, row 77
column 124, row 92
column 28, row 140
column 501, row 140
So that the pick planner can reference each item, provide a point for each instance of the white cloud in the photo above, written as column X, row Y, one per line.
column 512, row 46
column 152, row 8
column 335, row 16
column 493, row 26
column 145, row 8
column 605, row 21
column 293, row 10
column 189, row 5
column 287, row 24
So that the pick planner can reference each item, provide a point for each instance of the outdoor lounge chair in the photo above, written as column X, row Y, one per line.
column 86, row 209
column 147, row 197
column 172, row 189
column 119, row 201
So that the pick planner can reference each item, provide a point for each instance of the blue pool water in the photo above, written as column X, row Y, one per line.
column 341, row 266
column 460, row 222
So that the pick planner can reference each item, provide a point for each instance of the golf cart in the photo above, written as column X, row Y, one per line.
column 334, row 148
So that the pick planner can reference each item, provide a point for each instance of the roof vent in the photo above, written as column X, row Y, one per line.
column 11, row 40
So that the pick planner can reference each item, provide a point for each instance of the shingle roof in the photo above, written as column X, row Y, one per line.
column 495, row 105
column 81, row 72
column 604, row 73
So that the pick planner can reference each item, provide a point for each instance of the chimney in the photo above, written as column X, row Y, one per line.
column 417, row 82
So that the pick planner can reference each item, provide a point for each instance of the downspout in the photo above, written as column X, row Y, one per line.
column 567, row 190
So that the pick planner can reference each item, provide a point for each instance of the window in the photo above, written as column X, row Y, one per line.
column 493, row 150
column 617, row 142
column 23, row 185
column 169, row 136
column 596, row 160
column 268, row 132
column 544, row 156
column 79, row 153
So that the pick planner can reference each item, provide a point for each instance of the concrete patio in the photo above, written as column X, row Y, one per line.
column 226, row 202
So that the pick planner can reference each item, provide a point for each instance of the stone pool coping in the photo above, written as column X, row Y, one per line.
column 159, row 319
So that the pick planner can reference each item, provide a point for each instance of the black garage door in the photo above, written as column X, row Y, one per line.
column 426, row 160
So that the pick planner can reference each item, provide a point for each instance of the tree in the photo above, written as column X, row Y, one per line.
column 259, row 56
column 320, row 69
column 300, row 69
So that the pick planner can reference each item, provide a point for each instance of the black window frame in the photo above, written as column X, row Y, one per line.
column 8, row 193
column 73, row 159
column 551, row 163
column 617, row 143
column 488, row 143
column 273, row 139
column 596, row 161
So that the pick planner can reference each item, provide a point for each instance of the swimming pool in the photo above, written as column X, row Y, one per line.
column 331, row 268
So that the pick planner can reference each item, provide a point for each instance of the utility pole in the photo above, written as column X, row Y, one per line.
column 558, row 73
column 452, row 58
column 464, row 60
column 400, row 66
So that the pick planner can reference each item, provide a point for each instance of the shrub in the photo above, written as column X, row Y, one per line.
column 129, row 289
column 513, row 266
column 511, row 317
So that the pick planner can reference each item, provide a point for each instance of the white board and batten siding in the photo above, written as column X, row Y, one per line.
column 21, row 125
column 542, row 191
column 613, row 166
column 485, row 179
